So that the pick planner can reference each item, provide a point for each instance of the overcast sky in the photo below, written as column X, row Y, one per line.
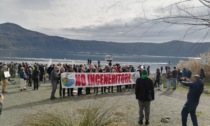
column 104, row 20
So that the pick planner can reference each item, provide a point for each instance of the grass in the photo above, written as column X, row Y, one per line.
column 46, row 119
column 94, row 115
column 199, row 113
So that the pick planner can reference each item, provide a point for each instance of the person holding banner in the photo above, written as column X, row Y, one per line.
column 98, row 70
column 70, row 89
column 81, row 70
column 90, row 70
column 54, row 79
column 109, row 70
column 62, row 91
column 4, row 78
column 119, row 70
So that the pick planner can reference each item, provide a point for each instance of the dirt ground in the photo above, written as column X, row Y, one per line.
column 18, row 105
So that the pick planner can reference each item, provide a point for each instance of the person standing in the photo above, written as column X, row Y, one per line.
column 202, row 75
column 179, row 76
column 144, row 92
column 189, row 73
column 166, row 68
column 119, row 70
column 30, row 73
column 49, row 70
column 148, row 70
column 184, row 72
column 71, row 90
column 81, row 70
column 1, row 103
column 54, row 80
column 196, row 87
column 23, row 77
column 41, row 70
column 4, row 79
column 62, row 91
column 110, row 88
column 161, row 69
column 174, row 77
column 35, row 75
column 90, row 70
column 157, row 79
column 168, row 78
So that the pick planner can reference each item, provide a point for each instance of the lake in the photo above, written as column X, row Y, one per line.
column 81, row 58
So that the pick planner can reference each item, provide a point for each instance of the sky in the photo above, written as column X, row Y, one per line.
column 103, row 20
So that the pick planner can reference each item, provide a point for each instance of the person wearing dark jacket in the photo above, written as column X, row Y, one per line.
column 195, row 90
column 54, row 81
column 90, row 70
column 62, row 91
column 49, row 70
column 174, row 77
column 35, row 75
column 157, row 79
column 41, row 72
column 144, row 91
column 202, row 74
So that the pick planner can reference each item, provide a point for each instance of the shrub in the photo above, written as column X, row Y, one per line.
column 93, row 115
column 195, row 66
column 96, row 115
column 46, row 119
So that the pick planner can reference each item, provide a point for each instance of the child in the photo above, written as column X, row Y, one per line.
column 1, row 101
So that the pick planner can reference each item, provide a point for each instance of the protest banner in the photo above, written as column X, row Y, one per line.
column 6, row 74
column 74, row 80
column 205, row 58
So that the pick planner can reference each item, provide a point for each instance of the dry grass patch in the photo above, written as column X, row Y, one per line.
column 94, row 115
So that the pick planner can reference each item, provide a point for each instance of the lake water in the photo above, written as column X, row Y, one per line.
column 81, row 58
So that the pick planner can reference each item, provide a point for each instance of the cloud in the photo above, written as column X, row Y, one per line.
column 105, row 20
column 133, row 31
column 34, row 4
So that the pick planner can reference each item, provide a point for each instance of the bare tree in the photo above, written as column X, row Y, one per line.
column 188, row 13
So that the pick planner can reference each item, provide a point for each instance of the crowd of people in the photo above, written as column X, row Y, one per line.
column 31, row 75
column 144, row 86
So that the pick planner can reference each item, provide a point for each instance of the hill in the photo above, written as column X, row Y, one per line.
column 16, row 41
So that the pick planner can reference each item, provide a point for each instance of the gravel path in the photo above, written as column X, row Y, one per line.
column 18, row 105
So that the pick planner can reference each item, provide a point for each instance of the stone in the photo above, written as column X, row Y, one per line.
column 205, row 91
column 165, row 119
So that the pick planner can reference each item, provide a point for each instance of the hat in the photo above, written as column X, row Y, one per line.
column 196, row 76
column 144, row 72
column 144, row 75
